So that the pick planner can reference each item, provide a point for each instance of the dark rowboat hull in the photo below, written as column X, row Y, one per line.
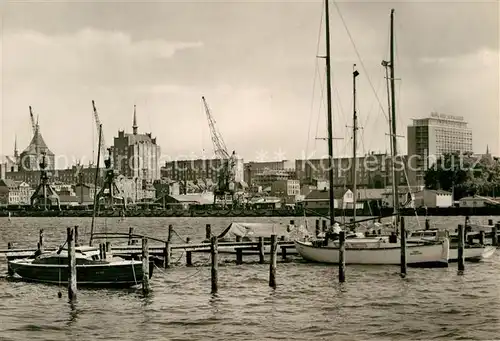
column 121, row 275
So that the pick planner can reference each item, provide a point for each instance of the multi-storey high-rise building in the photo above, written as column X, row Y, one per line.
column 372, row 171
column 136, row 155
column 428, row 138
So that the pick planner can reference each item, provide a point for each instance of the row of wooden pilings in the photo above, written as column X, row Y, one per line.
column 215, row 262
column 72, row 241
column 214, row 256
column 104, row 248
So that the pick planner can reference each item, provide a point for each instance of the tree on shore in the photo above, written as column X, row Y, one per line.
column 465, row 175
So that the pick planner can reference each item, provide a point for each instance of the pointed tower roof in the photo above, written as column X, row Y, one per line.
column 37, row 144
column 487, row 150
column 134, row 125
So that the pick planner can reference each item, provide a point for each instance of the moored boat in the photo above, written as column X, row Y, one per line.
column 472, row 252
column 91, row 270
column 371, row 251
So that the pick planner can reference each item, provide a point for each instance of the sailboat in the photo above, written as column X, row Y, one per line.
column 368, row 250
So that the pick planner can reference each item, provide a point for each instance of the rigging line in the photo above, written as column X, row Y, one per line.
column 311, row 108
column 372, row 104
column 400, row 123
column 359, row 57
column 321, row 105
column 340, row 108
column 314, row 80
column 338, row 103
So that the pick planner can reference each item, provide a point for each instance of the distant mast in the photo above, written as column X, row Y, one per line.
column 394, row 130
column 329, row 115
column 355, row 74
column 391, row 98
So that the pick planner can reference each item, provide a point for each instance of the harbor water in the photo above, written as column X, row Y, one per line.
column 308, row 303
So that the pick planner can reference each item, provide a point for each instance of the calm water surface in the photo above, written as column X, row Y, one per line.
column 308, row 304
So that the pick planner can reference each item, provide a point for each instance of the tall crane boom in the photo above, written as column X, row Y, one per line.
column 226, row 176
column 102, row 145
column 217, row 140
column 32, row 118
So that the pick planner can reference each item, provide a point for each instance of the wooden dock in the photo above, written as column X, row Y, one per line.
column 134, row 251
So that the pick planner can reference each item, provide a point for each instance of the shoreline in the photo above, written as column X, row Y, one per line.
column 451, row 211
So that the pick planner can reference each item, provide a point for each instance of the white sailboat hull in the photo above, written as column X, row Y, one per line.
column 372, row 253
column 473, row 254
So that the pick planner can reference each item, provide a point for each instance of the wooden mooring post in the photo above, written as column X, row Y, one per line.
column 9, row 269
column 461, row 242
column 272, row 265
column 130, row 234
column 170, row 233
column 239, row 252
column 145, row 266
column 189, row 258
column 403, row 246
column 342, row 256
column 40, row 240
column 166, row 255
column 427, row 224
column 71, row 264
column 208, row 232
column 76, row 236
column 215, row 264
column 494, row 237
column 481, row 237
column 261, row 250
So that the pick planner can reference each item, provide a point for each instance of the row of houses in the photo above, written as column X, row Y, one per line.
column 412, row 198
column 14, row 192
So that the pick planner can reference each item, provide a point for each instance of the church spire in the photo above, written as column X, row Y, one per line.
column 134, row 126
column 487, row 150
column 15, row 147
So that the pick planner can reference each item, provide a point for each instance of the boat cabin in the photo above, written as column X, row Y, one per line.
column 431, row 235
column 83, row 255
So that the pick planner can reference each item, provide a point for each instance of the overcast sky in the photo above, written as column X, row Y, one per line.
column 255, row 62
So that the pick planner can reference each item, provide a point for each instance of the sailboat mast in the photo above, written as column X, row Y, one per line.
column 96, row 202
column 393, row 114
column 329, row 114
column 355, row 73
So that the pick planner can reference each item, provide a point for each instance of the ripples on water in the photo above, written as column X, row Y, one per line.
column 308, row 304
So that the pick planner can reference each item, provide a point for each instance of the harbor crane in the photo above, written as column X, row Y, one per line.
column 225, row 186
column 109, row 191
